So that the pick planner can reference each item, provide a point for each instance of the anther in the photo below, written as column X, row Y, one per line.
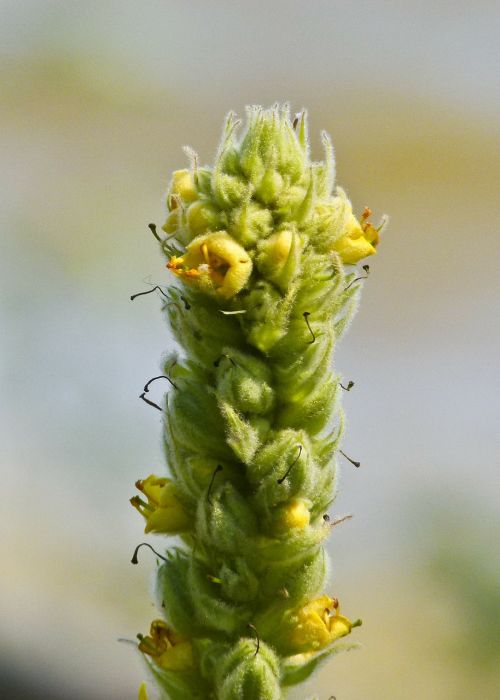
column 326, row 518
column 257, row 645
column 152, row 228
column 349, row 386
column 352, row 461
column 306, row 314
column 218, row 360
column 150, row 403
column 218, row 469
column 135, row 560
column 160, row 376
column 296, row 120
column 366, row 268
column 140, row 294
column 187, row 305
column 280, row 481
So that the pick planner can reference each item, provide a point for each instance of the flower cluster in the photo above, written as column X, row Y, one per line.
column 262, row 250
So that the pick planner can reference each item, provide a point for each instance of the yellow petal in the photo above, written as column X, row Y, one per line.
column 352, row 250
column 153, row 487
column 177, row 658
column 168, row 520
column 295, row 514
column 183, row 185
column 339, row 627
column 229, row 262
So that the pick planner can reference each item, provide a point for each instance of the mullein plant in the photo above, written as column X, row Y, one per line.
column 261, row 250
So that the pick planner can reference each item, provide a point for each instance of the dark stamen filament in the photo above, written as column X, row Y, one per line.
column 140, row 294
column 257, row 645
column 152, row 228
column 218, row 360
column 306, row 314
column 348, row 387
column 366, row 268
column 352, row 461
column 280, row 481
column 160, row 376
column 218, row 469
column 150, row 403
column 135, row 560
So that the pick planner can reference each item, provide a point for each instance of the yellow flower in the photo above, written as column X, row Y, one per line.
column 216, row 262
column 143, row 695
column 163, row 511
column 295, row 514
column 360, row 239
column 182, row 187
column 168, row 649
column 318, row 624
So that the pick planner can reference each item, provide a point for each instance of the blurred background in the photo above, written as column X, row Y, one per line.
column 97, row 99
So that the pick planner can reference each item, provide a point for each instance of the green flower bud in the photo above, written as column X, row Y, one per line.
column 270, row 187
column 278, row 259
column 201, row 216
column 228, row 190
column 225, row 520
column 250, row 222
column 243, row 382
column 174, row 596
column 213, row 613
column 247, row 674
column 239, row 583
column 265, row 320
column 203, row 180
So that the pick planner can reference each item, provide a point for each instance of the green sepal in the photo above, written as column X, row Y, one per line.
column 202, row 329
column 248, row 674
column 212, row 613
column 177, row 685
column 173, row 594
column 313, row 411
column 241, row 436
column 295, row 581
column 249, row 222
column 225, row 521
column 267, row 313
column 295, row 669
column 294, row 547
column 243, row 382
column 194, row 421
column 238, row 582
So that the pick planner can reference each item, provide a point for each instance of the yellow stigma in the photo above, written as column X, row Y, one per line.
column 168, row 649
column 216, row 262
column 318, row 624
column 359, row 240
column 163, row 512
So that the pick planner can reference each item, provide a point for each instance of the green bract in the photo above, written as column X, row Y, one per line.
column 260, row 250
